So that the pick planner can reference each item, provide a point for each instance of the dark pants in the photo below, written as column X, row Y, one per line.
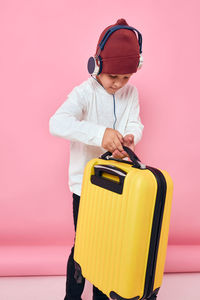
column 74, row 287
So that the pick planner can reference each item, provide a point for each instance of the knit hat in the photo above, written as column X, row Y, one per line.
column 121, row 52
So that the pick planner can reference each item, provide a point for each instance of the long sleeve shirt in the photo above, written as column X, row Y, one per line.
column 83, row 118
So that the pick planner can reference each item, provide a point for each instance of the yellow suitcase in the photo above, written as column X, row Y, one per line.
column 122, row 229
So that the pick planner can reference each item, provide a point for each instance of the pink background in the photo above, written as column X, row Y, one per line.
column 45, row 46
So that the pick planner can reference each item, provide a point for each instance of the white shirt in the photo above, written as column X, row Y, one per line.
column 83, row 118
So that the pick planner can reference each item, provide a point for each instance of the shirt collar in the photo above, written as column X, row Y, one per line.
column 100, row 88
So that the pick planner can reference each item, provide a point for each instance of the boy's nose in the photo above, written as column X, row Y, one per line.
column 118, row 84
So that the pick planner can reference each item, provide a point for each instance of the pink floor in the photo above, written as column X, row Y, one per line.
column 179, row 286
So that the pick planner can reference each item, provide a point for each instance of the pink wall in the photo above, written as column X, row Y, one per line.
column 44, row 50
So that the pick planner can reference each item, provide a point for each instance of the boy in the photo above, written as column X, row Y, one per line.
column 101, row 114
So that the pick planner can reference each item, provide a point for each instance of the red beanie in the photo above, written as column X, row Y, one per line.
column 121, row 52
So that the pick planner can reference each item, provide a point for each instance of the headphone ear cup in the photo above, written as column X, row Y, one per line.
column 93, row 65
column 140, row 62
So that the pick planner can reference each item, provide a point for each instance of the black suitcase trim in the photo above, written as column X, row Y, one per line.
column 155, row 233
column 154, row 240
column 114, row 295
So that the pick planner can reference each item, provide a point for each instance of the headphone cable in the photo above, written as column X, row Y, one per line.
column 113, row 103
column 114, row 112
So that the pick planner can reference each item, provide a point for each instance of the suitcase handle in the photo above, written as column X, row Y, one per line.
column 112, row 170
column 107, row 183
column 134, row 159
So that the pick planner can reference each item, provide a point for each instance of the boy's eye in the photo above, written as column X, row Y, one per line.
column 115, row 76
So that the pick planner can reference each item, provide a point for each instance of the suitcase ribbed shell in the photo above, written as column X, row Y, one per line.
column 114, row 230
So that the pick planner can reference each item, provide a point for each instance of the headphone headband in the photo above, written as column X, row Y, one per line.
column 95, row 63
column 113, row 29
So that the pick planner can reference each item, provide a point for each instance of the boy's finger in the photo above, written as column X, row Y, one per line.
column 124, row 153
column 112, row 147
column 118, row 145
column 117, row 154
column 120, row 136
column 129, row 137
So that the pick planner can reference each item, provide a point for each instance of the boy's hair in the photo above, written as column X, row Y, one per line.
column 121, row 53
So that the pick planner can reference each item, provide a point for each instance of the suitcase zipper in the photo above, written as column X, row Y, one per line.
column 155, row 232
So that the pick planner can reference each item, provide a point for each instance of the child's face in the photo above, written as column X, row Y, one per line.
column 113, row 82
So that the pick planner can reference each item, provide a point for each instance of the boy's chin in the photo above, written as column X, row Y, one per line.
column 111, row 91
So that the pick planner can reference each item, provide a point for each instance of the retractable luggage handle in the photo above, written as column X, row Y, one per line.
column 108, row 183
column 134, row 159
column 109, row 169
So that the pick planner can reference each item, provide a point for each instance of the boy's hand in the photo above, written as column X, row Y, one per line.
column 112, row 141
column 128, row 141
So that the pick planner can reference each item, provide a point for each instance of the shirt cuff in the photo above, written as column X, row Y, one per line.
column 99, row 136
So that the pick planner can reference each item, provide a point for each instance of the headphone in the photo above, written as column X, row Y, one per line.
column 95, row 63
